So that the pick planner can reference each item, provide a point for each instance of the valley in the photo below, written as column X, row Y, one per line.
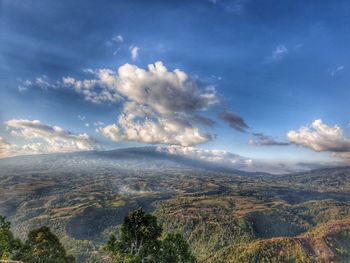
column 226, row 216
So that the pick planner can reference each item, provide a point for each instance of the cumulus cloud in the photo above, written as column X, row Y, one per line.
column 134, row 51
column 165, row 91
column 141, row 123
column 44, row 138
column 265, row 140
column 160, row 106
column 6, row 149
column 322, row 138
column 236, row 122
column 98, row 90
column 279, row 52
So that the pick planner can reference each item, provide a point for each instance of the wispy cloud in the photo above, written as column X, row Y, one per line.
column 134, row 51
column 81, row 117
column 42, row 82
column 297, row 46
column 280, row 52
column 336, row 71
column 118, row 39
column 145, row 117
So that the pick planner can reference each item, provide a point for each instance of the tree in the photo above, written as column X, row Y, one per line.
column 175, row 249
column 139, row 242
column 8, row 243
column 42, row 246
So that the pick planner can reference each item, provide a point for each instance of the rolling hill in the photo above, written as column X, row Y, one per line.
column 225, row 214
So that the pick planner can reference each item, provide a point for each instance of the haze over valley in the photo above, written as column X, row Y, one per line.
column 204, row 131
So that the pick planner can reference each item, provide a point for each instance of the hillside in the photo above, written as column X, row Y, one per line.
column 329, row 242
column 224, row 214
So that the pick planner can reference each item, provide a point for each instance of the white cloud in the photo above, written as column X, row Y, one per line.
column 50, row 138
column 42, row 82
column 118, row 39
column 99, row 123
column 112, row 132
column 140, row 123
column 6, row 149
column 322, row 138
column 163, row 90
column 161, row 106
column 22, row 88
column 234, row 161
column 96, row 90
column 134, row 51
column 279, row 52
column 219, row 157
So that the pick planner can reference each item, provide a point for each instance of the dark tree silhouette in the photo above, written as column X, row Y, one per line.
column 42, row 246
column 8, row 243
column 176, row 250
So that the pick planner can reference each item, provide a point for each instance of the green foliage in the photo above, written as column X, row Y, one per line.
column 206, row 230
column 8, row 244
column 174, row 249
column 139, row 241
column 42, row 246
column 265, row 251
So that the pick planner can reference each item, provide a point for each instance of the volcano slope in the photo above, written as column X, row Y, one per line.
column 226, row 215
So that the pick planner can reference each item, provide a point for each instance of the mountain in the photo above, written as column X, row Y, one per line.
column 225, row 214
column 140, row 158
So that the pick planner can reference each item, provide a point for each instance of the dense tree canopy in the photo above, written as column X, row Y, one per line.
column 42, row 246
column 139, row 241
column 176, row 250
column 8, row 243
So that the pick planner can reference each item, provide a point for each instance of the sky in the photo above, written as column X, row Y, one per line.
column 263, row 83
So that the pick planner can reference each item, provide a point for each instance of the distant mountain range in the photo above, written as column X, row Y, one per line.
column 140, row 158
column 226, row 215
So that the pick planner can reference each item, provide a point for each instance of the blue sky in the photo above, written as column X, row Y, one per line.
column 276, row 65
